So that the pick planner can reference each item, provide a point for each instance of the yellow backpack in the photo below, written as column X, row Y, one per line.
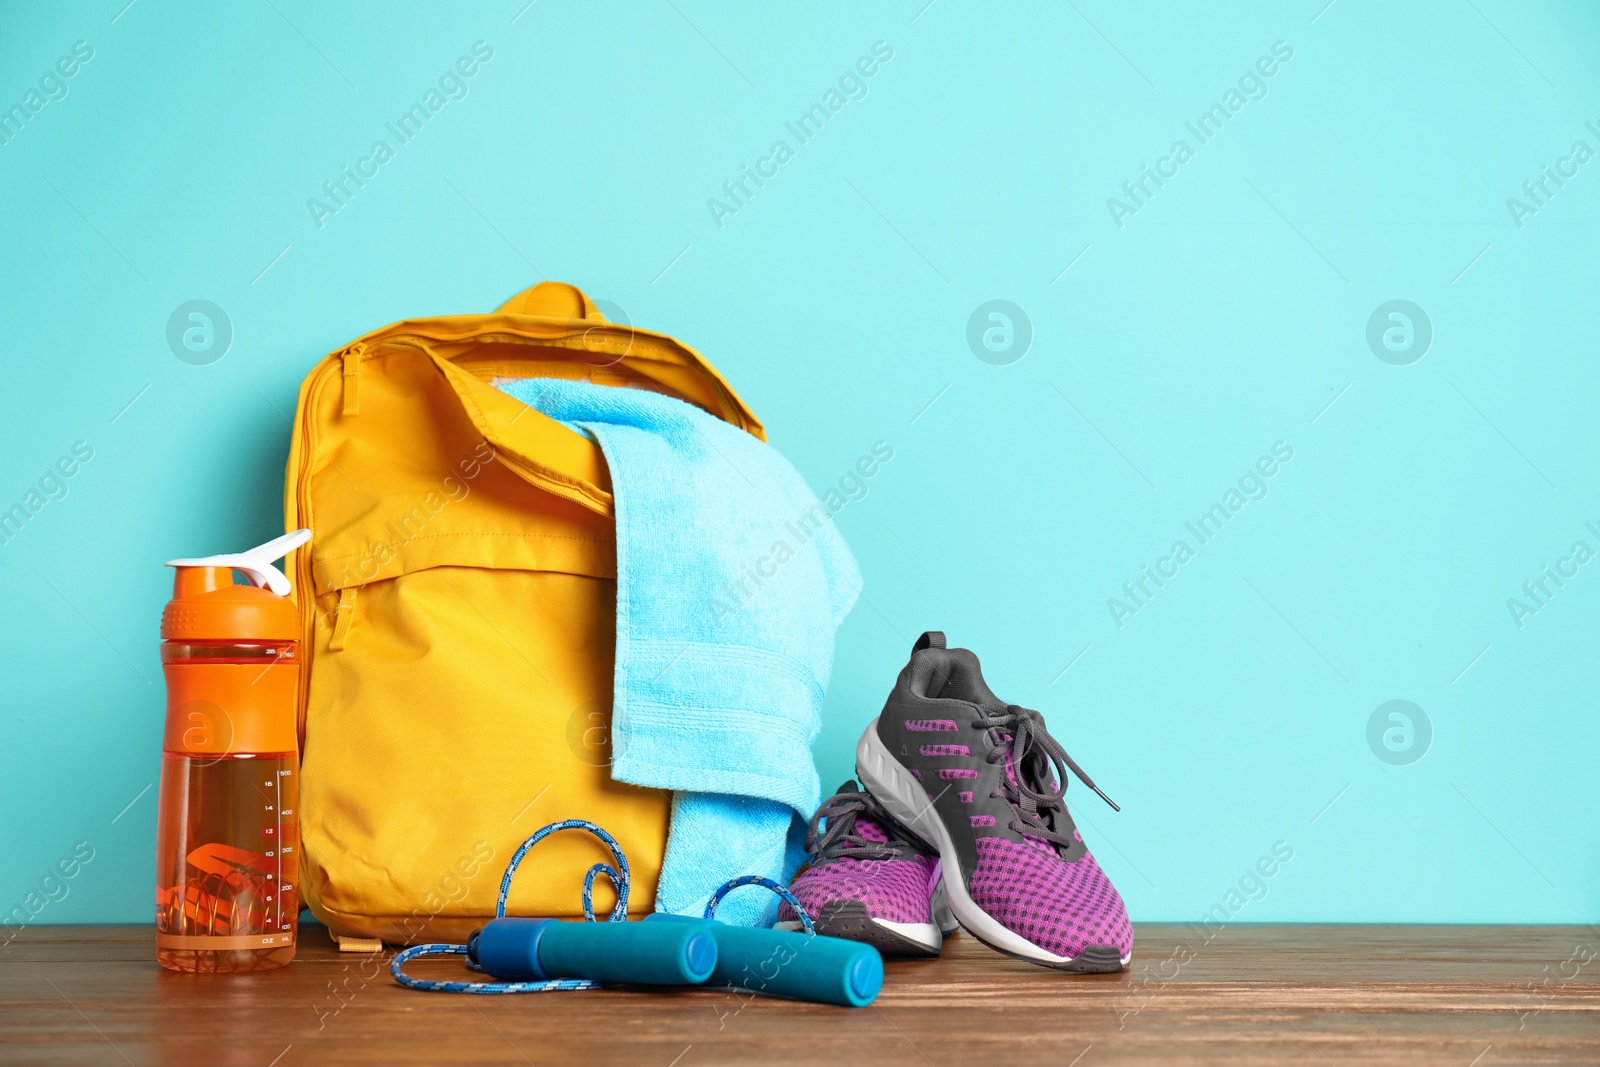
column 457, row 603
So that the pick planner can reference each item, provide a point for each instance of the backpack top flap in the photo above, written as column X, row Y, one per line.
column 370, row 411
column 405, row 457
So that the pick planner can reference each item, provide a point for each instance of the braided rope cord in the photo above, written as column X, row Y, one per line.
column 618, row 875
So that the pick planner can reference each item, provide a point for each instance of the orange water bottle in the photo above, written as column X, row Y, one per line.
column 227, row 839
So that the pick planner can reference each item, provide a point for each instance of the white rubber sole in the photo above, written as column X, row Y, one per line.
column 904, row 797
column 926, row 934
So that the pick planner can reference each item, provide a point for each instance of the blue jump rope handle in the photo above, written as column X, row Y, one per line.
column 538, row 950
column 788, row 963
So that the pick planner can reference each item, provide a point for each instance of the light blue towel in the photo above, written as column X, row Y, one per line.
column 731, row 580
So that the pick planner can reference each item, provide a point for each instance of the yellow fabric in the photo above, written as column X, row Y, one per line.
column 462, row 700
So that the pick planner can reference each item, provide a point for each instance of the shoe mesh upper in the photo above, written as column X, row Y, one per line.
column 1061, row 907
column 894, row 889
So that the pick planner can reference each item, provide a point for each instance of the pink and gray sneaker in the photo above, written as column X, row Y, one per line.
column 983, row 782
column 869, row 880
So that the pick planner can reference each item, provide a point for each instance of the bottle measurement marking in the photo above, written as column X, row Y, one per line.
column 277, row 810
column 283, row 924
column 279, row 888
column 277, row 833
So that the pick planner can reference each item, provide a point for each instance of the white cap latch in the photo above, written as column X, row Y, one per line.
column 256, row 563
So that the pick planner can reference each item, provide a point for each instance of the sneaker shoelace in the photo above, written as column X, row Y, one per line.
column 839, row 837
column 1040, row 765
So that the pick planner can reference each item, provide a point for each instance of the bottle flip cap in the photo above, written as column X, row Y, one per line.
column 256, row 563
column 207, row 605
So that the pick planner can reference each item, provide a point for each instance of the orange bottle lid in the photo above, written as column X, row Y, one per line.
column 206, row 605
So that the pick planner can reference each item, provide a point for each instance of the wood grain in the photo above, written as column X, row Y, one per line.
column 1452, row 996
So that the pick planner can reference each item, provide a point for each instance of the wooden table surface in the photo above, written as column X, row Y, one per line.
column 1455, row 996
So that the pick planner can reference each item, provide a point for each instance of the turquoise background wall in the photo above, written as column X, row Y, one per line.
column 1159, row 339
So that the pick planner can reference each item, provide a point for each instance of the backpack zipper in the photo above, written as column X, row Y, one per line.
column 352, row 371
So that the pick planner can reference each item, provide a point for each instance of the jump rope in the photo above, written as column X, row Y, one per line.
column 594, row 954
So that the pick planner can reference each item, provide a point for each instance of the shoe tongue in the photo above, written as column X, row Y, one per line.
column 863, row 825
column 1054, row 820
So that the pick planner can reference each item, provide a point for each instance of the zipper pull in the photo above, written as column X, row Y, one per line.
column 344, row 616
column 352, row 369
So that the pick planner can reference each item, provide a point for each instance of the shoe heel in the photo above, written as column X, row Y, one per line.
column 893, row 787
